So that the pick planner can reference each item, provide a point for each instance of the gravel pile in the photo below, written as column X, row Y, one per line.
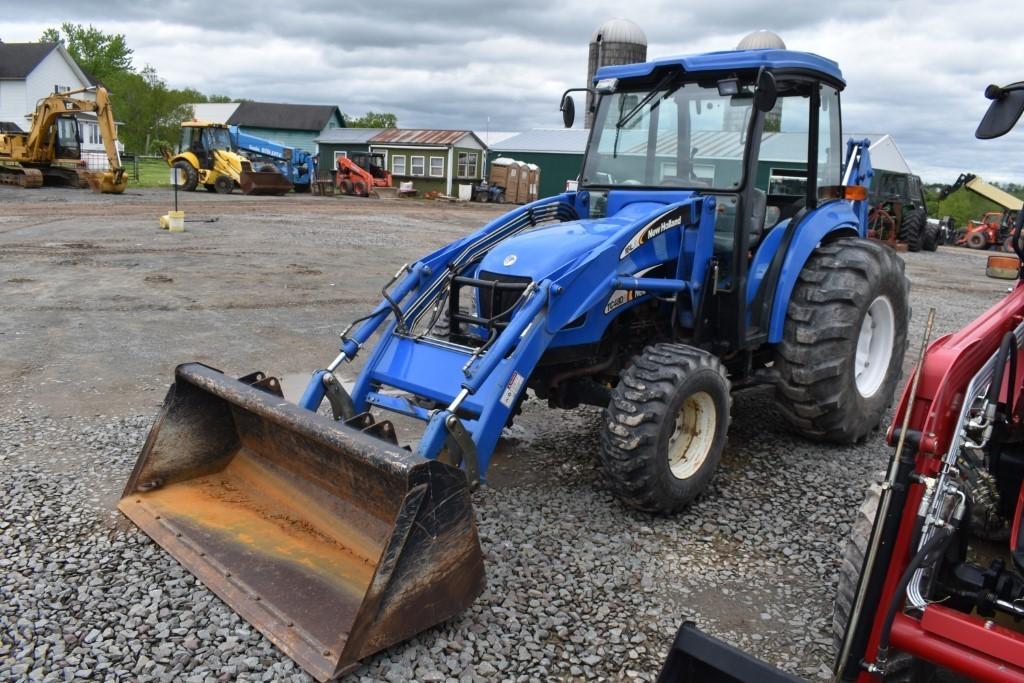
column 579, row 587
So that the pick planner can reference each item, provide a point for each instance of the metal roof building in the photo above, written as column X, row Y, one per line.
column 294, row 125
column 558, row 152
column 433, row 160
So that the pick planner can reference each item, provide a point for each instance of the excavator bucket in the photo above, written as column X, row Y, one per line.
column 333, row 543
column 264, row 182
column 108, row 182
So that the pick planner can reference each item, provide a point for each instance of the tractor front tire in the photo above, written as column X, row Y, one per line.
column 912, row 229
column 977, row 240
column 224, row 185
column 845, row 335
column 930, row 240
column 902, row 668
column 665, row 427
column 190, row 175
column 346, row 186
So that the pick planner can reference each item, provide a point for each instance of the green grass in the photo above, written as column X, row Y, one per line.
column 153, row 173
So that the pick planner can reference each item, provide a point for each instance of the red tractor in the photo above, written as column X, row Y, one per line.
column 932, row 579
column 360, row 173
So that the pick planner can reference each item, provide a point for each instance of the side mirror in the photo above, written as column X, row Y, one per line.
column 766, row 93
column 1006, row 108
column 568, row 110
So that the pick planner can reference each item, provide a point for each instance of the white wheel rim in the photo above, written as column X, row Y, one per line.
column 874, row 347
column 694, row 434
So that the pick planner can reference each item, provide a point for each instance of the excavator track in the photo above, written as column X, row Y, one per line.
column 23, row 177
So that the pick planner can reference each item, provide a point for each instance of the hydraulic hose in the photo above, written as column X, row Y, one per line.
column 1006, row 351
column 936, row 544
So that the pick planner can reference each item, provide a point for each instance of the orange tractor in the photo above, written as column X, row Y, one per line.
column 360, row 173
column 995, row 227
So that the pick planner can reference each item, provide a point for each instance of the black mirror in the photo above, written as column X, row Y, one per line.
column 1007, row 106
column 568, row 110
column 767, row 93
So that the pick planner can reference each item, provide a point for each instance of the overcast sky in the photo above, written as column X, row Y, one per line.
column 914, row 68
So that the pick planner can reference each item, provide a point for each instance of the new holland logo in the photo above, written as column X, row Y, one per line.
column 509, row 260
column 657, row 227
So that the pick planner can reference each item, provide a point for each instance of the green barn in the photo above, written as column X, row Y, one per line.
column 293, row 125
column 557, row 151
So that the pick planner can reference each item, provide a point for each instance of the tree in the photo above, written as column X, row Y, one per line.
column 150, row 110
column 102, row 55
column 372, row 119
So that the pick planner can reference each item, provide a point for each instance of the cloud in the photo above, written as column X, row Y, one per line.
column 915, row 68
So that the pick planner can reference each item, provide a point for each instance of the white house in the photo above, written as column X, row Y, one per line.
column 31, row 71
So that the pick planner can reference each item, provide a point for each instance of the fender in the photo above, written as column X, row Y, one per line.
column 187, row 157
column 828, row 222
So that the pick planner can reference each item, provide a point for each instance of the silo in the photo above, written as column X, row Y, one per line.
column 616, row 41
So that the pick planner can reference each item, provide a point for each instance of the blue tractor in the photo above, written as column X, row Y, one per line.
column 716, row 242
column 295, row 164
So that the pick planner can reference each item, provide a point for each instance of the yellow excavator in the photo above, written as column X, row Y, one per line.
column 206, row 157
column 51, row 151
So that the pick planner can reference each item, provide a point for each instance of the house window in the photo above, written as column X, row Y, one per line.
column 417, row 164
column 398, row 164
column 436, row 167
column 468, row 167
column 337, row 155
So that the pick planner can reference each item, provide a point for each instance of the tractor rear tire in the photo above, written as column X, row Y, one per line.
column 930, row 240
column 665, row 427
column 912, row 229
column 359, row 188
column 902, row 668
column 845, row 335
column 189, row 173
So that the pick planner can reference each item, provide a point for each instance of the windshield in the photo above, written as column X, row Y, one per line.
column 685, row 136
column 218, row 138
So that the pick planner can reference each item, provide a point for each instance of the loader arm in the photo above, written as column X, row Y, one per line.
column 985, row 190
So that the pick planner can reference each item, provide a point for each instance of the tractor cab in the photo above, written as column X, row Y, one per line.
column 202, row 139
column 757, row 130
column 369, row 161
column 67, row 138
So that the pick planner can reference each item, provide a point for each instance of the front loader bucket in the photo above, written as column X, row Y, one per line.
column 332, row 543
column 264, row 182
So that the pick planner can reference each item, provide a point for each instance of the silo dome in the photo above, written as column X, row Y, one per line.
column 616, row 41
column 619, row 30
column 761, row 40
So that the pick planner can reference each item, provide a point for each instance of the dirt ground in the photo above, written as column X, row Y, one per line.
column 98, row 305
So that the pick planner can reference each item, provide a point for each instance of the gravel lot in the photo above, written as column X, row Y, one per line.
column 578, row 586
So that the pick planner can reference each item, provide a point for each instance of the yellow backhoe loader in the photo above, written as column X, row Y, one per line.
column 206, row 157
column 51, row 151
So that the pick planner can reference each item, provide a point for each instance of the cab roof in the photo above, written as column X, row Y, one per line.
column 732, row 60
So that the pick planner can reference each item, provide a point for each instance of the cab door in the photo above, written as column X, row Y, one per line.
column 69, row 138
